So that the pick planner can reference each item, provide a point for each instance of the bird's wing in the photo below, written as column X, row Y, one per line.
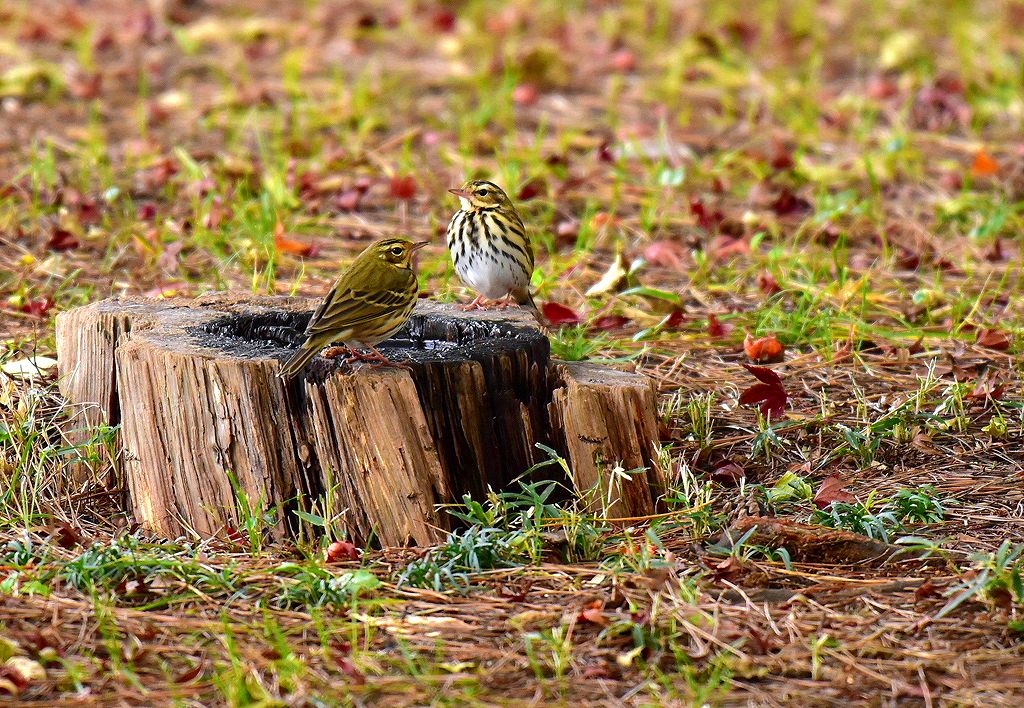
column 349, row 307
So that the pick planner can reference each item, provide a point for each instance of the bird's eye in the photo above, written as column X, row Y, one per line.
column 396, row 251
column 481, row 192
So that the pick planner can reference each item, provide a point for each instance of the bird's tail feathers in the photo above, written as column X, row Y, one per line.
column 526, row 299
column 298, row 361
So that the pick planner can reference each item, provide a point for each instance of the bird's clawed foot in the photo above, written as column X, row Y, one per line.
column 335, row 352
column 482, row 303
column 479, row 303
column 505, row 303
column 376, row 358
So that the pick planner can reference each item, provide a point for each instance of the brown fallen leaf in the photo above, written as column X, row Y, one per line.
column 833, row 489
column 922, row 442
column 927, row 590
column 995, row 339
column 728, row 473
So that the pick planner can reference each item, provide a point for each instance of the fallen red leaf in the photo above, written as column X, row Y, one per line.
column 403, row 186
column 769, row 393
column 558, row 314
column 995, row 252
column 731, row 569
column 353, row 671
column 994, row 339
column 782, row 157
column 624, row 60
column 952, row 181
column 765, row 350
column 594, row 615
column 728, row 473
column 832, row 489
column 1001, row 597
column 445, row 21
column 38, row 307
column 768, row 284
column 147, row 212
column 927, row 589
column 87, row 86
column 716, row 328
column 675, row 319
column 709, row 219
column 158, row 175
column 62, row 240
column 609, row 322
column 168, row 260
column 789, row 203
column 987, row 391
column 882, row 87
column 597, row 672
column 559, row 159
column 534, row 188
column 525, row 94
column 66, row 535
column 568, row 230
column 669, row 254
column 190, row 674
column 234, row 535
column 342, row 551
column 15, row 680
column 286, row 244
column 984, row 165
column 350, row 199
column 725, row 246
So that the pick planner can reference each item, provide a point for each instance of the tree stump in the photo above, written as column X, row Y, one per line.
column 209, row 431
column 606, row 423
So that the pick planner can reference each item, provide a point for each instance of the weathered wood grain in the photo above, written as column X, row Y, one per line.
column 205, row 422
column 605, row 422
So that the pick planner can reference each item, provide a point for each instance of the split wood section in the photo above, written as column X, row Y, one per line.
column 207, row 427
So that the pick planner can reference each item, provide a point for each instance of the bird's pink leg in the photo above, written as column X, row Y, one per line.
column 479, row 303
column 377, row 358
column 506, row 302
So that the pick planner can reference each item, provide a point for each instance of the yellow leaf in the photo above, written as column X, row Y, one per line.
column 613, row 279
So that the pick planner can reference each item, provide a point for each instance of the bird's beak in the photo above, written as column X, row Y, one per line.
column 461, row 193
column 418, row 245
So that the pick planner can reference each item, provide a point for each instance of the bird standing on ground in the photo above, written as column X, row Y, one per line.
column 489, row 245
column 368, row 304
